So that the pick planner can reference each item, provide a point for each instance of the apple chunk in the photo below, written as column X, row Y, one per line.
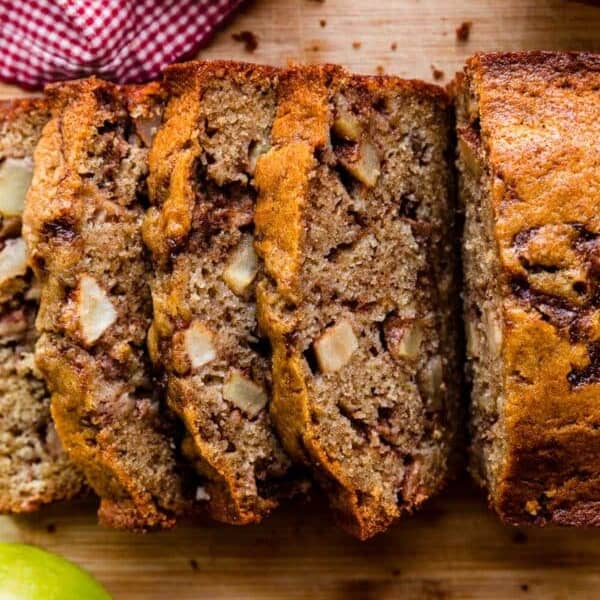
column 242, row 267
column 244, row 393
column 13, row 259
column 335, row 347
column 403, row 338
column 362, row 162
column 15, row 178
column 96, row 312
column 199, row 345
column 346, row 125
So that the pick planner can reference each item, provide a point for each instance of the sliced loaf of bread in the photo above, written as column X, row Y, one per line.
column 83, row 221
column 34, row 470
column 354, row 224
column 200, row 230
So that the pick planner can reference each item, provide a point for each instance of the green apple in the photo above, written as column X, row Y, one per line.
column 29, row 573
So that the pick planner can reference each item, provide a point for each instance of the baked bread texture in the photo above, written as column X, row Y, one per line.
column 529, row 162
column 34, row 470
column 358, row 295
column 83, row 220
column 200, row 231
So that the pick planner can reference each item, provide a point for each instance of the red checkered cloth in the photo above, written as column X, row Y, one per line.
column 122, row 40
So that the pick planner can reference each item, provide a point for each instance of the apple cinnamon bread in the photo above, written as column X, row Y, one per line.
column 358, row 298
column 34, row 470
column 82, row 223
column 200, row 231
column 529, row 162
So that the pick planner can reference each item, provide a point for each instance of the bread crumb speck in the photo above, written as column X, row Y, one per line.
column 394, row 46
column 322, row 22
column 356, row 45
column 463, row 31
column 248, row 38
column 519, row 537
column 532, row 507
column 194, row 564
column 437, row 73
column 380, row 70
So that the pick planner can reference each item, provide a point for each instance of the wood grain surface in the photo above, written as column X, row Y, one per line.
column 454, row 548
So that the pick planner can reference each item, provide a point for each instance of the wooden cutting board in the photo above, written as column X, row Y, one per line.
column 455, row 548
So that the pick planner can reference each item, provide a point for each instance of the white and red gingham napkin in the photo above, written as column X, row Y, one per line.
column 122, row 40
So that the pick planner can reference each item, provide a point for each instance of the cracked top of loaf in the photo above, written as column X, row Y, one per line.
column 533, row 120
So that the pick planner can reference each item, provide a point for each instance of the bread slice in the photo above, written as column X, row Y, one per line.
column 200, row 230
column 83, row 222
column 353, row 222
column 34, row 469
column 529, row 161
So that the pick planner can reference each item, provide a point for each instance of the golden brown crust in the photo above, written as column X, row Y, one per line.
column 282, row 177
column 14, row 108
column 539, row 116
column 82, row 225
column 172, row 153
column 301, row 125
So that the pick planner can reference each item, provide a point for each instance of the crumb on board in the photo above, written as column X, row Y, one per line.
column 322, row 22
column 315, row 47
column 248, row 38
column 437, row 73
column 519, row 537
column 356, row 45
column 51, row 528
column 463, row 31
column 380, row 70
column 194, row 564
column 394, row 46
